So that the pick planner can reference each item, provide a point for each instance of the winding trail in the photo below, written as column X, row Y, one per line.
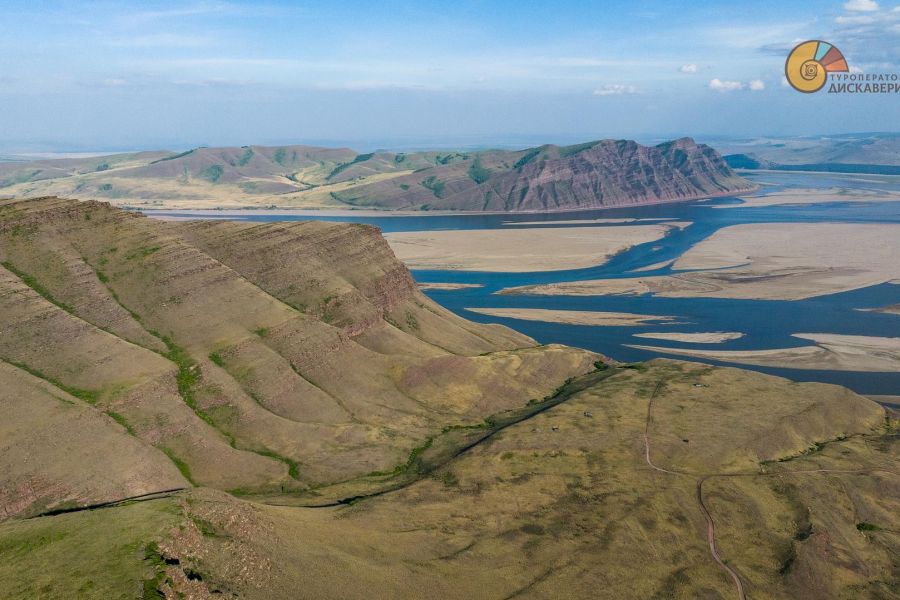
column 710, row 523
column 711, row 541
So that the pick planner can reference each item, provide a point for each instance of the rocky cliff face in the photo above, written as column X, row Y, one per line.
column 595, row 175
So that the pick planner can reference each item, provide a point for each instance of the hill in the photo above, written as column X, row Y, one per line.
column 264, row 411
column 876, row 153
column 591, row 175
column 264, row 358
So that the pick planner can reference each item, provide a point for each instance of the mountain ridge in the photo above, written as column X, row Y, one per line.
column 596, row 174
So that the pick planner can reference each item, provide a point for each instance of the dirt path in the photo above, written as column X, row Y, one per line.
column 711, row 541
column 710, row 523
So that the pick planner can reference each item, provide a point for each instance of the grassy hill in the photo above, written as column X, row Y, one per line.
column 222, row 409
column 599, row 496
column 590, row 175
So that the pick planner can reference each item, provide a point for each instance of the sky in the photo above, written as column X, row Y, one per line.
column 81, row 76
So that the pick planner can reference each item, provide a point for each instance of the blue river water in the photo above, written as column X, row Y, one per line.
column 765, row 323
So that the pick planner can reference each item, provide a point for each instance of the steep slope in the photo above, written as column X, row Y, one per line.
column 259, row 358
column 591, row 175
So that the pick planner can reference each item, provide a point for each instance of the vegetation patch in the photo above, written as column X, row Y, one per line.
column 35, row 285
column 121, row 421
column 173, row 157
column 89, row 396
column 435, row 185
column 245, row 158
column 358, row 159
column 478, row 173
column 526, row 158
column 212, row 173
column 182, row 466
column 217, row 359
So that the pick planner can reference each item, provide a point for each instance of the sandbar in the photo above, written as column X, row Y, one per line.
column 448, row 286
column 772, row 261
column 709, row 337
column 573, row 317
column 814, row 196
column 590, row 221
column 519, row 250
column 831, row 351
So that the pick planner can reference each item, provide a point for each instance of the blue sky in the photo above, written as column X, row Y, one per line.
column 118, row 75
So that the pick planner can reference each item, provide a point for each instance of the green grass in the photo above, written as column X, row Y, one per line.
column 435, row 185
column 173, row 157
column 526, row 158
column 142, row 252
column 293, row 468
column 261, row 332
column 864, row 526
column 343, row 166
column 205, row 527
column 182, row 466
column 217, row 359
column 245, row 158
column 478, row 173
column 35, row 285
column 212, row 173
column 410, row 461
column 121, row 421
column 87, row 554
column 89, row 396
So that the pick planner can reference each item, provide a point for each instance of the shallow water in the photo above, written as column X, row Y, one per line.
column 766, row 323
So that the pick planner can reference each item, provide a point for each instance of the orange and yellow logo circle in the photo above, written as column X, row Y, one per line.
column 808, row 65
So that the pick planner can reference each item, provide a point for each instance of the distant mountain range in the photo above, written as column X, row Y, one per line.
column 546, row 178
column 852, row 153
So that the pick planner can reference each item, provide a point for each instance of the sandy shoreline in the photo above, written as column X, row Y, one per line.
column 573, row 317
column 520, row 250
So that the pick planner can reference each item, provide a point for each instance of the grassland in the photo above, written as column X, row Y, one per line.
column 594, row 496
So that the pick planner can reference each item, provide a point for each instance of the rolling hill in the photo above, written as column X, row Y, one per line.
column 221, row 409
column 875, row 153
column 591, row 175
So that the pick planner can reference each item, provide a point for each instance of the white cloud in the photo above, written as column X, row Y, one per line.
column 861, row 5
column 757, row 85
column 725, row 86
column 615, row 89
column 688, row 68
